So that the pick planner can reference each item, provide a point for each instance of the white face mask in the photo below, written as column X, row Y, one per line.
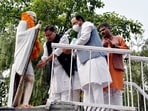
column 76, row 27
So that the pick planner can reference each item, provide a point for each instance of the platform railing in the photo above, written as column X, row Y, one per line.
column 140, row 89
column 130, row 86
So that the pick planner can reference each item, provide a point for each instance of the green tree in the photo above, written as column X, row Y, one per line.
column 144, row 52
column 121, row 25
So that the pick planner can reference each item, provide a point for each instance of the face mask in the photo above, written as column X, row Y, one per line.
column 76, row 27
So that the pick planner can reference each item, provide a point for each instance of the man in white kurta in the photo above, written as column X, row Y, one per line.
column 60, row 82
column 93, row 72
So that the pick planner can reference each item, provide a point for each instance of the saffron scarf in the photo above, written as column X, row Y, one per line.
column 30, row 23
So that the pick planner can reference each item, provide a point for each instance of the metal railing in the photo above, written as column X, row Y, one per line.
column 130, row 86
column 140, row 95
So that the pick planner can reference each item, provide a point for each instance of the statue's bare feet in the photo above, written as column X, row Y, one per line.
column 24, row 106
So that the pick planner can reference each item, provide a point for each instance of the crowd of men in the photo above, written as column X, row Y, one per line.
column 89, row 74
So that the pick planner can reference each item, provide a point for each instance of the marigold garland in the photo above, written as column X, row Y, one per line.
column 30, row 23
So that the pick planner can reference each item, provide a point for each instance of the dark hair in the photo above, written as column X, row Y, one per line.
column 50, row 28
column 104, row 25
column 79, row 17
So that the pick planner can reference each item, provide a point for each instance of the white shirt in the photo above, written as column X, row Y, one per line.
column 85, row 33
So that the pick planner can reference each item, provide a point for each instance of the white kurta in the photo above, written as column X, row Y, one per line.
column 94, row 70
column 24, row 39
column 59, row 80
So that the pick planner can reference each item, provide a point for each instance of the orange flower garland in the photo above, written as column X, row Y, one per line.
column 30, row 23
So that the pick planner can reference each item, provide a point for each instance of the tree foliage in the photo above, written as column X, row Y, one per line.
column 3, row 91
column 121, row 25
column 144, row 52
